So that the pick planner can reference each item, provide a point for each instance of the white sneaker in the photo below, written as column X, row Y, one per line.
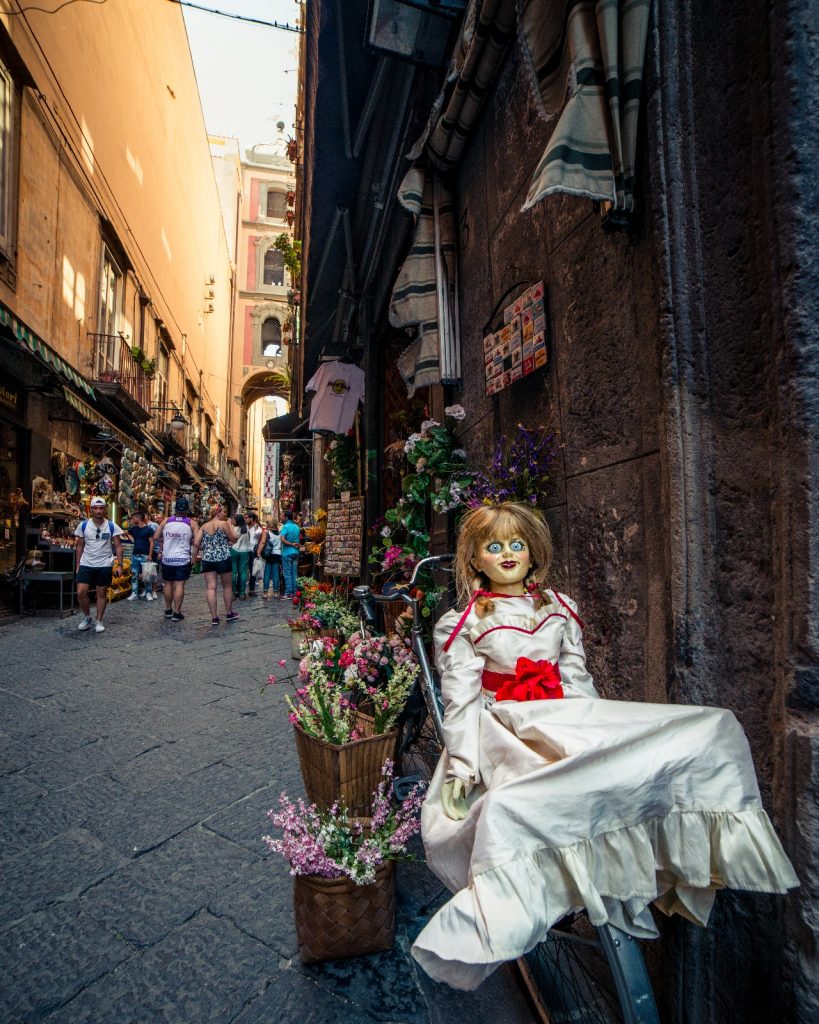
column 85, row 622
column 98, row 627
column 150, row 597
column 132, row 597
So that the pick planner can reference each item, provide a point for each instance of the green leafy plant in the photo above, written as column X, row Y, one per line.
column 341, row 456
column 291, row 252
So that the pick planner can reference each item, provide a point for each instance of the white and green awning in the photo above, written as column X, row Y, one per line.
column 32, row 343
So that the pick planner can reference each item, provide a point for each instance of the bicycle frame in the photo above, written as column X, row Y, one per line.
column 366, row 599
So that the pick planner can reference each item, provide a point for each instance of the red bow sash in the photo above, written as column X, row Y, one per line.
column 533, row 680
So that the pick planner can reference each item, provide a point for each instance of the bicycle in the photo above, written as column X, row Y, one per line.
column 580, row 973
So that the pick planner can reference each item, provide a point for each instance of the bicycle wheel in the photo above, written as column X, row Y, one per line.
column 587, row 975
column 418, row 749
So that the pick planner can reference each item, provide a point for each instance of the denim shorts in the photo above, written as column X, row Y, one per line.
column 95, row 576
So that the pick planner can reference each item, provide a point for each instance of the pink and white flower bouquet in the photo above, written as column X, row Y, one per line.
column 332, row 844
column 382, row 670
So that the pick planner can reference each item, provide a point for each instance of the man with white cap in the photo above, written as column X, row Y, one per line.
column 97, row 540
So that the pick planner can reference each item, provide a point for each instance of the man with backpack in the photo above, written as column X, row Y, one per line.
column 97, row 540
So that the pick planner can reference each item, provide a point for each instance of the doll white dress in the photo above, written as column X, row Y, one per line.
column 578, row 802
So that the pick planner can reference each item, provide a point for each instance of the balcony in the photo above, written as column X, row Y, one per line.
column 119, row 377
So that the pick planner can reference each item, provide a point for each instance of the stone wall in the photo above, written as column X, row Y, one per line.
column 682, row 381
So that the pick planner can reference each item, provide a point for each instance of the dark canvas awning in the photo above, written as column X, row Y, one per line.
column 288, row 427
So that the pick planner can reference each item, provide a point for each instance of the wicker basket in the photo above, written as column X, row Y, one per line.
column 350, row 772
column 337, row 918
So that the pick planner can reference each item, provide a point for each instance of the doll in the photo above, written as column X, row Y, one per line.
column 549, row 799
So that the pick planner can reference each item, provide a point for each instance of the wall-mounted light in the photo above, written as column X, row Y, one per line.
column 177, row 421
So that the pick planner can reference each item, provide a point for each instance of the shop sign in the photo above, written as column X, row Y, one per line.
column 9, row 399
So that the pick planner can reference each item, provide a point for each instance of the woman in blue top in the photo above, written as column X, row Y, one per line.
column 291, row 536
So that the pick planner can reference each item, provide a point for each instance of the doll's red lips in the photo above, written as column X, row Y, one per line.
column 508, row 565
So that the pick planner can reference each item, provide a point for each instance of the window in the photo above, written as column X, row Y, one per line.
column 276, row 204
column 271, row 337
column 161, row 385
column 6, row 154
column 273, row 267
column 108, row 315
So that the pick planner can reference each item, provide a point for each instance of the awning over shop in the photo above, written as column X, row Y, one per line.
column 30, row 342
column 597, row 52
column 90, row 414
column 288, row 427
column 191, row 472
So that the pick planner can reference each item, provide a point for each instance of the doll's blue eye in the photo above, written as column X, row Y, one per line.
column 517, row 545
column 494, row 548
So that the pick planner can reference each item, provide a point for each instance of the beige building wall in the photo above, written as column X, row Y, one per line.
column 268, row 195
column 113, row 151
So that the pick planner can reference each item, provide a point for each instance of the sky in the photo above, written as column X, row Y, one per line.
column 246, row 73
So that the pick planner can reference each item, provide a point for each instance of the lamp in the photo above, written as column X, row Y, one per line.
column 418, row 30
column 177, row 421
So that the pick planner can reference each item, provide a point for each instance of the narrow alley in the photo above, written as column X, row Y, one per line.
column 137, row 769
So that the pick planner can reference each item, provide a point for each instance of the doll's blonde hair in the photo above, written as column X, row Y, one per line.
column 509, row 518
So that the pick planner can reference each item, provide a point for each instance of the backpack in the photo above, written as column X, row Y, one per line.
column 110, row 530
column 267, row 550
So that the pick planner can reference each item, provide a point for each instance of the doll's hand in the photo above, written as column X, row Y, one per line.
column 453, row 798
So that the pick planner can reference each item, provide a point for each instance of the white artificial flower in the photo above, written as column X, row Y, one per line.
column 457, row 412
column 428, row 424
column 411, row 442
column 333, row 445
column 459, row 453
column 386, row 531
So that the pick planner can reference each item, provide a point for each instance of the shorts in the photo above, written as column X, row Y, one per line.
column 95, row 575
column 226, row 565
column 176, row 573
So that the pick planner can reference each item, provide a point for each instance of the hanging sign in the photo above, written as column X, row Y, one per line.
column 519, row 347
column 342, row 548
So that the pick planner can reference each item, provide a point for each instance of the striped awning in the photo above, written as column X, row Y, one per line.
column 30, row 342
column 595, row 50
column 87, row 413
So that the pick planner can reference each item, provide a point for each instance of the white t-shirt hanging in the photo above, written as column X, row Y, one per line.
column 339, row 387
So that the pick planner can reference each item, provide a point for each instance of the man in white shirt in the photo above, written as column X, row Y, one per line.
column 97, row 540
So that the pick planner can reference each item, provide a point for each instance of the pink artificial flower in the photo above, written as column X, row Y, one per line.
column 271, row 680
column 282, row 663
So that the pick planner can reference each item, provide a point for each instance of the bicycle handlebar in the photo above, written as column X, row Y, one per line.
column 363, row 592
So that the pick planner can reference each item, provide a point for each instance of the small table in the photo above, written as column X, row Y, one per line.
column 62, row 578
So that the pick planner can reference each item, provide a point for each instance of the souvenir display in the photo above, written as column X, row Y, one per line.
column 519, row 347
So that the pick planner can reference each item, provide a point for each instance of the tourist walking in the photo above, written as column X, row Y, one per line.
column 140, row 531
column 238, row 554
column 291, row 537
column 97, row 540
column 272, row 555
column 212, row 544
column 175, row 534
column 255, row 531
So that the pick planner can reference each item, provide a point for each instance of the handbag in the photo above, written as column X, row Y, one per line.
column 267, row 550
column 258, row 567
column 148, row 571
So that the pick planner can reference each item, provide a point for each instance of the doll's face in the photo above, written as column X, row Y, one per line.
column 503, row 558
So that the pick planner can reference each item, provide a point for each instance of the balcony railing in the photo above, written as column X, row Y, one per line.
column 114, row 363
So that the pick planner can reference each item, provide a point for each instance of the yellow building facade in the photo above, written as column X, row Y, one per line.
column 116, row 274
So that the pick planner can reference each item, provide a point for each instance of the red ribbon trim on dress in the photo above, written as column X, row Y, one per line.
column 467, row 610
column 532, row 680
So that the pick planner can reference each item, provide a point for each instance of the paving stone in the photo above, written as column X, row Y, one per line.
column 260, row 903
column 51, row 956
column 166, row 886
column 54, row 872
column 205, row 971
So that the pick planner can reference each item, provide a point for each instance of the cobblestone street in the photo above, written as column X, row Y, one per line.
column 137, row 766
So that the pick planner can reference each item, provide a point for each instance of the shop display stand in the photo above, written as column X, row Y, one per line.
column 56, row 580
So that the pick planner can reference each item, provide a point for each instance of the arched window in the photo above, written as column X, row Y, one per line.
column 273, row 267
column 276, row 204
column 271, row 337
